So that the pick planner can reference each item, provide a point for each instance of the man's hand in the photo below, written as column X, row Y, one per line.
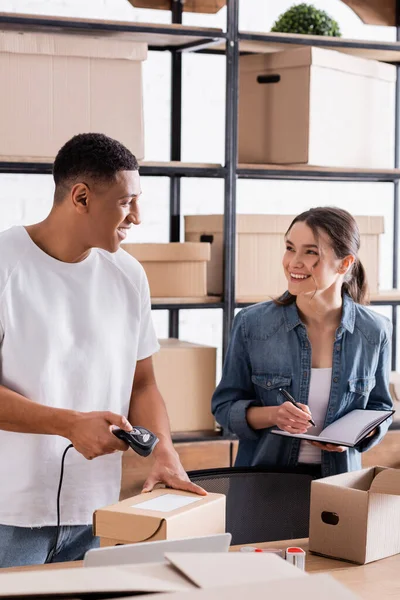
column 91, row 433
column 167, row 469
column 328, row 447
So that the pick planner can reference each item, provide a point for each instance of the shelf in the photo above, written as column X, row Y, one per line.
column 201, row 436
column 168, row 169
column 148, row 169
column 262, row 43
column 157, row 36
column 315, row 173
column 384, row 298
column 188, row 303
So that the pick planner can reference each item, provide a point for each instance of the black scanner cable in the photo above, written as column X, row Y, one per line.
column 53, row 549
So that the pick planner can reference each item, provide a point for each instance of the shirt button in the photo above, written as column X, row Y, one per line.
column 269, row 384
column 335, row 379
column 306, row 345
column 338, row 348
column 305, row 374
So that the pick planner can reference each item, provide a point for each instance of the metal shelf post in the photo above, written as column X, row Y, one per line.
column 176, row 144
column 231, row 153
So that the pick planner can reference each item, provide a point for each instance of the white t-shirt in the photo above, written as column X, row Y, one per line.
column 70, row 336
column 318, row 399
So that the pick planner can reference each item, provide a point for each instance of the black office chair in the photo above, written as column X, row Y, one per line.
column 262, row 505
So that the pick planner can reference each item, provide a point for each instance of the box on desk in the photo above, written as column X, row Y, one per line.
column 316, row 106
column 174, row 270
column 185, row 375
column 58, row 85
column 163, row 514
column 356, row 516
column 260, row 247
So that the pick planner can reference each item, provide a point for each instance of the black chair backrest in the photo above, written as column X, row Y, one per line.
column 262, row 505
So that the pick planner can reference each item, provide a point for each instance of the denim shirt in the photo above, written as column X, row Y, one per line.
column 269, row 349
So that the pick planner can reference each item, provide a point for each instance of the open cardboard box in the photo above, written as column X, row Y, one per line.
column 182, row 573
column 356, row 516
column 163, row 514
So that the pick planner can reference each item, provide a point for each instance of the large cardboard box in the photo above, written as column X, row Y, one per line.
column 163, row 514
column 260, row 247
column 222, row 576
column 174, row 270
column 186, row 377
column 316, row 106
column 356, row 516
column 57, row 85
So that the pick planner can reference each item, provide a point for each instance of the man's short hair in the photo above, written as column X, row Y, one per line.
column 90, row 155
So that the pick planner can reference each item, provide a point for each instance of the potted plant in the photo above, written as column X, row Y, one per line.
column 307, row 20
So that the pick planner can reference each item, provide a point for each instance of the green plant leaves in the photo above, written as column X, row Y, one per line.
column 306, row 19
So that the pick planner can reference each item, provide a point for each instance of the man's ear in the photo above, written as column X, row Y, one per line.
column 80, row 197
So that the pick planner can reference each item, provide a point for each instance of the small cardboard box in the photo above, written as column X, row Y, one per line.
column 163, row 514
column 260, row 247
column 356, row 516
column 222, row 576
column 186, row 377
column 56, row 85
column 174, row 270
column 316, row 106
column 196, row 6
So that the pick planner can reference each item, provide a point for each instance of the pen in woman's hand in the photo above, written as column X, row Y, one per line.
column 293, row 401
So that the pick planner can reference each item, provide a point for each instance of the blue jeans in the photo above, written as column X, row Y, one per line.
column 21, row 546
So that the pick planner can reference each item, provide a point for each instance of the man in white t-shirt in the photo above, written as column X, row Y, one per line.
column 76, row 341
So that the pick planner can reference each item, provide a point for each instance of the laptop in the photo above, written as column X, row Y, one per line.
column 148, row 552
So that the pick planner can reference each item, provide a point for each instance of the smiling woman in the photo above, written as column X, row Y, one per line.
column 317, row 341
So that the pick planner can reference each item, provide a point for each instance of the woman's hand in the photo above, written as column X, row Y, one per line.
column 328, row 447
column 292, row 419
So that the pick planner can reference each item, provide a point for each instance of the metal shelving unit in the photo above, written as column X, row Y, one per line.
column 176, row 39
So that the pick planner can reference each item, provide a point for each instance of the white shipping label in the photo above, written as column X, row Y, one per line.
column 166, row 503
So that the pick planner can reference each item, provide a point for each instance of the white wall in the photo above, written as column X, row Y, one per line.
column 26, row 199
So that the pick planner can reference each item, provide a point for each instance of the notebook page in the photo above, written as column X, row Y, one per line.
column 347, row 429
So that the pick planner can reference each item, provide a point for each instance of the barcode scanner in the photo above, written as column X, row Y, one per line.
column 140, row 439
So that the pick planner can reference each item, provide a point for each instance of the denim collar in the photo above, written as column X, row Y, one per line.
column 292, row 317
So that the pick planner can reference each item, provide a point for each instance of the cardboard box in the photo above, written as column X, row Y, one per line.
column 163, row 514
column 57, row 85
column 356, row 516
column 260, row 246
column 196, row 575
column 186, row 377
column 316, row 106
column 174, row 270
column 197, row 6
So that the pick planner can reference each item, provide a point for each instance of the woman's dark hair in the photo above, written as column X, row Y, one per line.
column 344, row 235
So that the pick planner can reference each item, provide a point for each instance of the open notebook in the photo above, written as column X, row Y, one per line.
column 349, row 430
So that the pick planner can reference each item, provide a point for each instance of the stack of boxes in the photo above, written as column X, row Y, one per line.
column 302, row 106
